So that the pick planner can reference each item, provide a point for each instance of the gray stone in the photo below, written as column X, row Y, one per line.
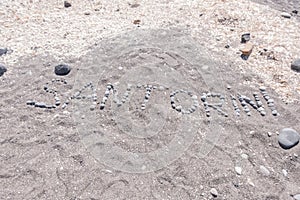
column 286, row 15
column 102, row 105
column 2, row 69
column 245, row 37
column 296, row 196
column 284, row 172
column 262, row 88
column 40, row 105
column 179, row 108
column 3, row 51
column 263, row 113
column 296, row 65
column 62, row 69
column 274, row 112
column 264, row 170
column 214, row 192
column 288, row 138
column 30, row 102
column 238, row 170
column 67, row 4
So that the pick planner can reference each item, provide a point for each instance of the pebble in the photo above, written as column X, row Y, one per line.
column 238, row 170
column 286, row 15
column 214, row 192
column 274, row 112
column 296, row 196
column 62, row 69
column 288, row 138
column 178, row 108
column 285, row 173
column 262, row 88
column 245, row 37
column 30, row 102
column 67, row 4
column 296, row 65
column 2, row 69
column 3, row 51
column 264, row 170
column 40, row 105
column 247, row 49
column 269, row 134
column 245, row 156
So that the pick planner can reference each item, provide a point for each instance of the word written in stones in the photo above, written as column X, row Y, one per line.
column 245, row 102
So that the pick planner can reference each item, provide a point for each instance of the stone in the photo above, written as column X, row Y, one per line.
column 269, row 134
column 40, row 105
column 296, row 196
column 263, row 170
column 244, row 156
column 238, row 170
column 286, row 15
column 3, row 51
column 262, row 88
column 247, row 49
column 62, row 69
column 296, row 65
column 2, row 69
column 30, row 102
column 67, row 4
column 245, row 37
column 274, row 112
column 178, row 108
column 214, row 192
column 284, row 172
column 288, row 138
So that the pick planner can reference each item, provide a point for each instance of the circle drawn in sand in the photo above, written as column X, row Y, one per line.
column 140, row 76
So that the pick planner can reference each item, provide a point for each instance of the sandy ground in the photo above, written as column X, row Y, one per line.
column 42, row 153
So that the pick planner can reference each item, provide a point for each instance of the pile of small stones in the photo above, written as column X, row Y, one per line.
column 244, row 100
column 51, row 91
column 269, row 100
column 216, row 106
column 180, row 108
column 149, row 89
column 93, row 97
column 109, row 88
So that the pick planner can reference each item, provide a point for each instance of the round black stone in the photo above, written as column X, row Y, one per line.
column 62, row 69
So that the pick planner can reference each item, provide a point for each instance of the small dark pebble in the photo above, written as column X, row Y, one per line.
column 67, row 4
column 135, row 5
column 30, row 102
column 3, row 51
column 296, row 65
column 2, row 69
column 62, row 69
column 227, row 46
column 245, row 37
